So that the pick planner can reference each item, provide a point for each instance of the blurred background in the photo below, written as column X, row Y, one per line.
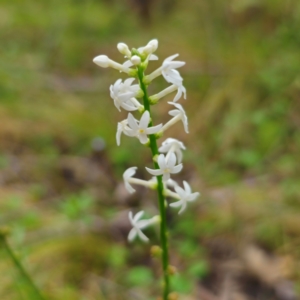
column 61, row 192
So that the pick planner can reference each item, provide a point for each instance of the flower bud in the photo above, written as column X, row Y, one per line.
column 102, row 61
column 171, row 270
column 156, row 251
column 123, row 49
column 150, row 47
column 136, row 60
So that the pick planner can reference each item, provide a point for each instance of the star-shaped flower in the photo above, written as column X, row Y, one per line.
column 128, row 180
column 140, row 128
column 123, row 94
column 172, row 145
column 168, row 70
column 166, row 167
column 138, row 225
column 184, row 195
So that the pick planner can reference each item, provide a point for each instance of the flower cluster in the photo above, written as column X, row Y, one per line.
column 168, row 157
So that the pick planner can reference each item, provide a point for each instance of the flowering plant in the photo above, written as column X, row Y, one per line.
column 167, row 159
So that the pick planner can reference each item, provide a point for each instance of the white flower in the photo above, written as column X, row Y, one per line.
column 105, row 62
column 166, row 167
column 150, row 48
column 179, row 114
column 122, row 128
column 170, row 74
column 126, row 176
column 123, row 49
column 172, row 145
column 140, row 128
column 138, row 225
column 168, row 70
column 184, row 195
column 123, row 94
column 128, row 180
column 180, row 90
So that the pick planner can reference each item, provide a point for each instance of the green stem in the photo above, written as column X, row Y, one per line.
column 20, row 268
column 160, row 189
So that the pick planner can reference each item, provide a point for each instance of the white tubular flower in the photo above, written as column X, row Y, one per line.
column 140, row 128
column 123, row 49
column 105, row 62
column 168, row 71
column 122, row 128
column 171, row 145
column 138, row 225
column 123, row 94
column 128, row 180
column 183, row 195
column 179, row 114
column 166, row 167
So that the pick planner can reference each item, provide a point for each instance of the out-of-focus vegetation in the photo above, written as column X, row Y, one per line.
column 60, row 174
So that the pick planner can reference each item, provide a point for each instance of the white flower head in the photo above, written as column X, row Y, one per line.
column 166, row 167
column 126, row 176
column 184, row 195
column 172, row 145
column 124, row 94
column 140, row 128
column 138, row 225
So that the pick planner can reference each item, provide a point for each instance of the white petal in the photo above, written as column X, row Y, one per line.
column 129, row 172
column 153, row 57
column 154, row 172
column 138, row 216
column 129, row 188
column 193, row 197
column 176, row 204
column 119, row 133
column 166, row 177
column 183, row 207
column 161, row 160
column 127, row 64
column 187, row 187
column 145, row 120
column 132, row 234
column 143, row 138
column 171, row 58
column 172, row 160
column 132, row 122
column 154, row 129
column 177, row 169
column 142, row 236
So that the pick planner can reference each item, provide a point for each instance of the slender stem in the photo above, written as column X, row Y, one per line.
column 160, row 188
column 20, row 268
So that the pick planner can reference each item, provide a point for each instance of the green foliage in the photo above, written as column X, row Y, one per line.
column 77, row 206
column 139, row 276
